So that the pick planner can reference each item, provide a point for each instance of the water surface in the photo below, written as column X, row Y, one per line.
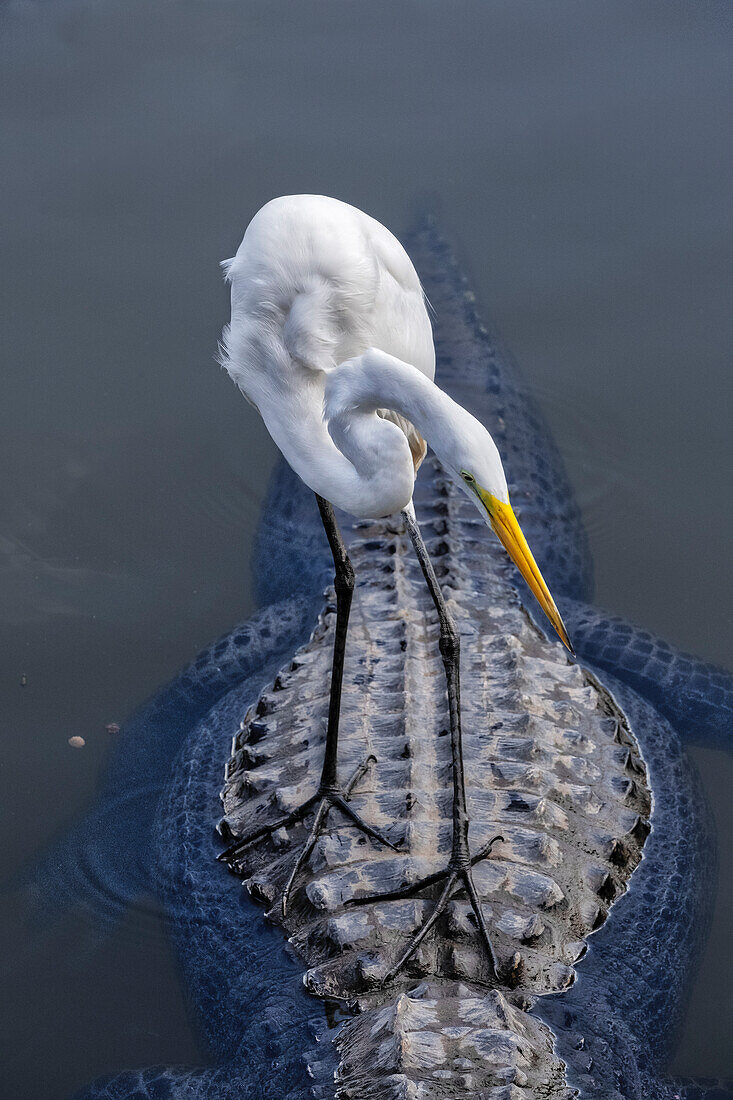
column 579, row 156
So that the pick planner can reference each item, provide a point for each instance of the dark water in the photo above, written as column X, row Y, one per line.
column 578, row 154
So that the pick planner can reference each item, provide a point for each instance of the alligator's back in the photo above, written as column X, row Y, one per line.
column 550, row 764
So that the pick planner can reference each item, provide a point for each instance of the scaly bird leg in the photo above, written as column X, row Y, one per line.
column 457, row 875
column 329, row 794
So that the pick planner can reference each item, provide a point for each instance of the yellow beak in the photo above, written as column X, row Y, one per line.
column 506, row 527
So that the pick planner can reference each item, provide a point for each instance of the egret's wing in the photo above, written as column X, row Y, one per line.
column 316, row 282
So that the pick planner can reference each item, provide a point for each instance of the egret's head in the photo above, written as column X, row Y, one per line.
column 476, row 466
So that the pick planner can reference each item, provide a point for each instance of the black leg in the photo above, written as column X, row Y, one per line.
column 344, row 584
column 457, row 875
column 450, row 650
column 329, row 793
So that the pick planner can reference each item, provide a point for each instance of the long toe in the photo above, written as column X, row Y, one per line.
column 328, row 801
column 475, row 900
column 450, row 885
column 407, row 891
column 242, row 842
column 318, row 823
column 342, row 805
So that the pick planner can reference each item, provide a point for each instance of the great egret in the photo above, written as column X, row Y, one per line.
column 331, row 340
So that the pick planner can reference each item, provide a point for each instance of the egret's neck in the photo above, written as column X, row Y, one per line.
column 375, row 380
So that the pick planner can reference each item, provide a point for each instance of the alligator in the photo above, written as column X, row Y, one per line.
column 551, row 765
column 598, row 892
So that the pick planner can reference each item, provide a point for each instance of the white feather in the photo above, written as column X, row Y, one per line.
column 329, row 318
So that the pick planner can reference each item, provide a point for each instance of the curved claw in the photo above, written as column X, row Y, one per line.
column 482, row 853
column 358, row 774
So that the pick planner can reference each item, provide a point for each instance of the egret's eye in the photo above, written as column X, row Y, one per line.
column 468, row 478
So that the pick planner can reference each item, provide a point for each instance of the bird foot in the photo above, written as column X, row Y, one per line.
column 457, row 877
column 325, row 799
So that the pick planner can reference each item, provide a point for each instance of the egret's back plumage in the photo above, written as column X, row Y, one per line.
column 316, row 282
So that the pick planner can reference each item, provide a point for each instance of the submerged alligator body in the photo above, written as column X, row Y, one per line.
column 568, row 763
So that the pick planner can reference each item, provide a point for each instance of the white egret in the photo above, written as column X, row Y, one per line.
column 331, row 340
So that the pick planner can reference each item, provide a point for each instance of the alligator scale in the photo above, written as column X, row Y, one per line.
column 550, row 763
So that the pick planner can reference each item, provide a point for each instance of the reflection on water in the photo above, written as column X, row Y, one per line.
column 84, row 1003
column 580, row 163
column 596, row 451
